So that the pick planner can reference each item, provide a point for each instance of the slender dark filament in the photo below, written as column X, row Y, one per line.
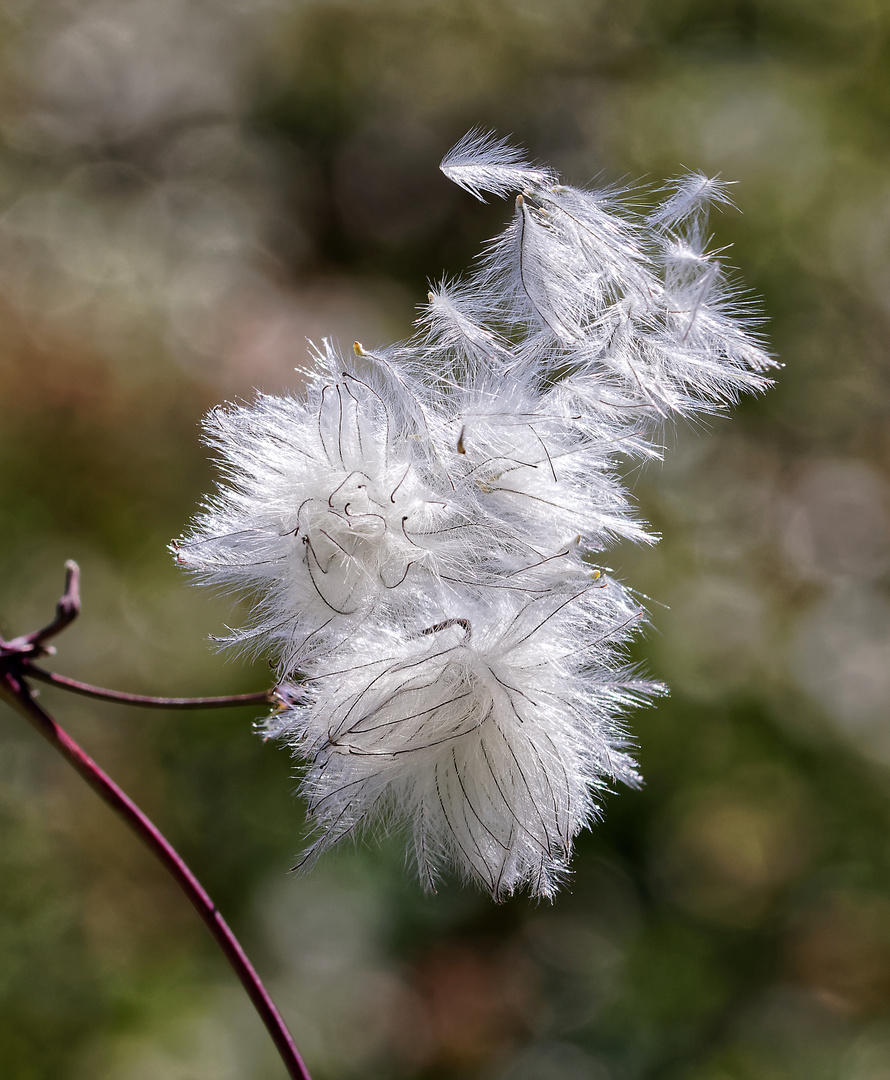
column 143, row 700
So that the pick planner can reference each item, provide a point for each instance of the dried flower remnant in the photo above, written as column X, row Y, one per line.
column 418, row 531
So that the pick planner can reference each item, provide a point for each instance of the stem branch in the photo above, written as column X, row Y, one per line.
column 143, row 700
column 19, row 695
column 16, row 665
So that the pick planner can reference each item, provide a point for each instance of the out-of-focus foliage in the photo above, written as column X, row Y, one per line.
column 189, row 189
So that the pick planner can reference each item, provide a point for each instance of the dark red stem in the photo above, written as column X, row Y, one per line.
column 19, row 695
column 67, row 610
column 16, row 664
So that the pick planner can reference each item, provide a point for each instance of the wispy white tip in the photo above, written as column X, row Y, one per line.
column 690, row 196
column 482, row 162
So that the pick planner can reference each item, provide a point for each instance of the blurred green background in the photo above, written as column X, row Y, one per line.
column 188, row 190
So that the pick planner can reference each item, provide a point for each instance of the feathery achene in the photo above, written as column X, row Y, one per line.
column 419, row 528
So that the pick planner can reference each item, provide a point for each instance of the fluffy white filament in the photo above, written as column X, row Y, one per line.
column 418, row 529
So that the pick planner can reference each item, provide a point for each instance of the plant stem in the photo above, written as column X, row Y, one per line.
column 143, row 700
column 19, row 695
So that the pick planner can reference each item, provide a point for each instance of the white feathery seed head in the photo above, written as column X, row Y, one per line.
column 326, row 513
column 416, row 529
column 484, row 734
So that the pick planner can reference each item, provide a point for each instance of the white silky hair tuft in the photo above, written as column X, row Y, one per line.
column 420, row 530
column 484, row 735
column 481, row 161
column 689, row 197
